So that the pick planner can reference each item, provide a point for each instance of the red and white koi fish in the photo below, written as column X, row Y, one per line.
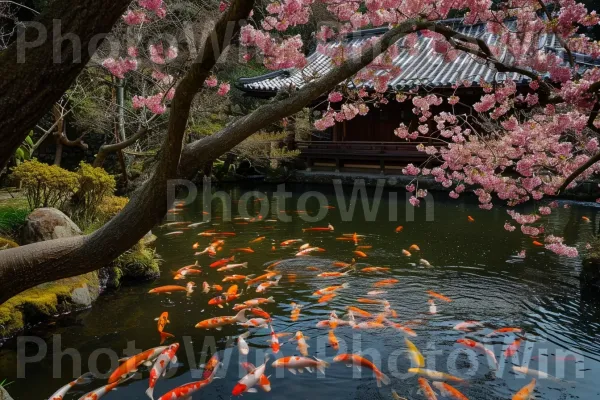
column 526, row 392
column 289, row 242
column 295, row 363
column 274, row 341
column 255, row 323
column 265, row 285
column 242, row 344
column 435, row 375
column 302, row 345
column 82, row 380
column 222, row 262
column 257, row 302
column 427, row 389
column 255, row 377
column 512, row 348
column 205, row 287
column 210, row 367
column 479, row 346
column 449, row 391
column 534, row 373
column 309, row 250
column 166, row 358
column 331, row 289
column 233, row 266
column 358, row 361
column 261, row 278
column 189, row 289
column 100, row 392
column 265, row 385
column 467, row 325
column 329, row 228
column 185, row 392
column 219, row 322
column 132, row 363
column 163, row 320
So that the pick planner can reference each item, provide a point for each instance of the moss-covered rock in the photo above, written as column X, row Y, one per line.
column 44, row 302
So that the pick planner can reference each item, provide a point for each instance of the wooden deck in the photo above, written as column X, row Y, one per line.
column 369, row 153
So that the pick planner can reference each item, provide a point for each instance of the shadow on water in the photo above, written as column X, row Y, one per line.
column 473, row 263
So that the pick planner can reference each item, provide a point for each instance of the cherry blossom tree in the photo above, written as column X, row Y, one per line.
column 534, row 144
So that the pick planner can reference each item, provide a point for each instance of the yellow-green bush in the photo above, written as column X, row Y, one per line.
column 111, row 206
column 95, row 185
column 46, row 185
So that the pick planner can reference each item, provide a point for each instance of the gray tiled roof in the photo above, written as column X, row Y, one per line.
column 423, row 67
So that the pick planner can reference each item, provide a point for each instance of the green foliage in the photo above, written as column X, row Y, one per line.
column 25, row 150
column 12, row 217
column 4, row 383
column 139, row 263
column 111, row 206
column 46, row 185
column 95, row 185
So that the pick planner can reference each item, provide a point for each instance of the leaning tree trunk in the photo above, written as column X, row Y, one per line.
column 34, row 77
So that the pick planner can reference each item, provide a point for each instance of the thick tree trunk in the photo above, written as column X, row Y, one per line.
column 34, row 77
column 28, row 266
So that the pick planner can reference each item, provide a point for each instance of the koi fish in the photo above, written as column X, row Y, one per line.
column 370, row 301
column 259, row 312
column 255, row 323
column 329, row 228
column 210, row 367
column 333, row 341
column 364, row 247
column 432, row 307
column 274, row 341
column 185, row 392
column 258, row 239
column 406, row 253
column 467, row 325
column 189, row 289
column 82, row 380
column 327, row 298
column 166, row 358
column 96, row 394
column 233, row 266
column 376, row 292
column 296, row 363
column 502, row 331
column 534, row 373
column 258, row 301
column 375, row 269
column 386, row 282
column 375, row 324
column 176, row 233
column 341, row 264
column 131, row 364
column 187, row 267
column 163, row 320
column 396, row 396
column 243, row 347
column 309, row 250
column 526, row 392
column 265, row 285
column 362, row 313
column 427, row 389
column 439, row 296
column 217, row 288
column 243, row 250
column 512, row 348
column 399, row 327
column 197, row 224
column 586, row 219
column 332, row 274
column 470, row 219
column 536, row 243
column 289, row 242
column 219, row 322
column 190, row 271
column 304, row 246
column 414, row 247
column 449, row 391
column 255, row 377
column 414, row 354
column 233, row 278
column 479, row 346
column 425, row 263
column 260, row 278
column 302, row 345
column 295, row 312
column 222, row 262
column 399, row 229
column 331, row 289
column 358, row 361
column 435, row 375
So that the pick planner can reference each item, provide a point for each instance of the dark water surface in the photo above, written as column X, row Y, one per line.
column 474, row 263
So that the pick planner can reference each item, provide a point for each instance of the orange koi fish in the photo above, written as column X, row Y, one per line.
column 479, row 346
column 399, row 229
column 295, row 312
column 289, row 242
column 195, row 246
column 327, row 298
column 375, row 269
column 401, row 328
column 332, row 274
column 360, row 254
column 536, row 243
column 370, row 301
column 130, row 364
column 586, row 219
column 309, row 250
column 258, row 239
column 260, row 278
column 259, row 312
column 358, row 311
column 186, row 391
column 217, row 288
column 273, row 265
column 470, row 219
column 302, row 345
column 406, row 253
column 331, row 289
column 356, row 360
column 255, row 323
column 243, row 250
column 233, row 278
column 449, row 391
column 427, row 389
column 414, row 247
column 299, row 363
column 375, row 324
column 467, row 325
column 219, row 322
column 333, row 341
column 364, row 247
column 258, row 301
column 163, row 320
column 341, row 264
column 386, row 282
column 222, row 262
column 502, row 331
column 329, row 228
column 526, row 392
column 312, row 268
column 265, row 285
column 189, row 289
column 439, row 296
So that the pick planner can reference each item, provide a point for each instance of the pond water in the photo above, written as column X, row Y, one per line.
column 475, row 264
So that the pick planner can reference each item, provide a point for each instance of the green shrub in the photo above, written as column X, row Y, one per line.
column 13, row 214
column 111, row 206
column 46, row 185
column 95, row 185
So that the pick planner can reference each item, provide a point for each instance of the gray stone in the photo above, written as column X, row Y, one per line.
column 82, row 296
column 4, row 394
column 48, row 224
